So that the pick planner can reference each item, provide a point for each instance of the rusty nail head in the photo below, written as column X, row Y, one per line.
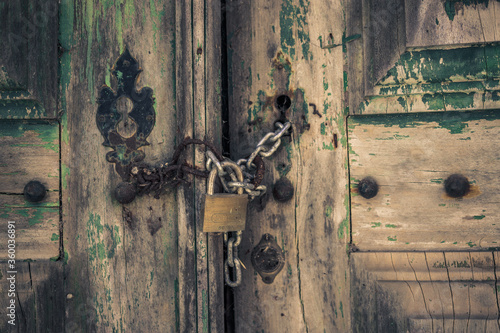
column 125, row 192
column 283, row 190
column 368, row 187
column 456, row 185
column 34, row 191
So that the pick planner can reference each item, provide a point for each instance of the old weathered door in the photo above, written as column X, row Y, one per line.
column 286, row 62
column 411, row 258
column 85, row 263
column 423, row 86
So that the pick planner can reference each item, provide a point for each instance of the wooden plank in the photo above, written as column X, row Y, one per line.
column 29, row 151
column 381, row 18
column 30, row 64
column 188, row 312
column 430, row 23
column 275, row 49
column 213, row 130
column 37, row 228
column 429, row 291
column 122, row 273
column 151, row 263
column 411, row 210
column 39, row 297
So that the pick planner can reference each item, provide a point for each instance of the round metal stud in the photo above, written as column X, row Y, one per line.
column 368, row 187
column 125, row 192
column 456, row 185
column 283, row 190
column 34, row 191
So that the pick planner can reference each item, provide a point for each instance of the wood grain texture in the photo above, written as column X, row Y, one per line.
column 29, row 62
column 147, row 272
column 135, row 275
column 274, row 49
column 431, row 23
column 39, row 297
column 418, row 56
column 424, row 292
column 410, row 157
column 29, row 150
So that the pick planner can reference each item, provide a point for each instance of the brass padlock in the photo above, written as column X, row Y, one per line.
column 225, row 212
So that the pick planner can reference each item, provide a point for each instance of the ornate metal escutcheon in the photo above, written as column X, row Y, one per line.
column 268, row 258
column 125, row 130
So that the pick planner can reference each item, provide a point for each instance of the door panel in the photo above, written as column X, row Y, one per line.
column 292, row 49
column 28, row 75
column 423, row 105
column 410, row 156
column 424, row 292
column 144, row 266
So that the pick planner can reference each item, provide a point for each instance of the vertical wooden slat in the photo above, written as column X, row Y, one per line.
column 121, row 274
column 198, row 59
column 213, row 110
column 275, row 48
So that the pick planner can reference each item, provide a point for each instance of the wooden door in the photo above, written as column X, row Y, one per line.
column 279, row 50
column 85, row 263
column 423, row 106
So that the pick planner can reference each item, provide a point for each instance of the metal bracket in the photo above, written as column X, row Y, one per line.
column 142, row 116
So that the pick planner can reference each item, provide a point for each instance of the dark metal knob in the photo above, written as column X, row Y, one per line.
column 268, row 258
column 456, row 185
column 125, row 192
column 368, row 187
column 34, row 191
column 283, row 190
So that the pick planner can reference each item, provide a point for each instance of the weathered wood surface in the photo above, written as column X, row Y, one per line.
column 29, row 150
column 431, row 23
column 145, row 273
column 198, row 49
column 275, row 48
column 28, row 58
column 40, row 293
column 424, row 292
column 414, row 56
column 410, row 157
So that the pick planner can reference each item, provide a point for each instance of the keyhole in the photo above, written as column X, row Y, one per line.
column 127, row 127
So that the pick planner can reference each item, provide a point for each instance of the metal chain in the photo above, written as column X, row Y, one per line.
column 265, row 148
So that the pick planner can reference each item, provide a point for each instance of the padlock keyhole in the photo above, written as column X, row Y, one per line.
column 127, row 127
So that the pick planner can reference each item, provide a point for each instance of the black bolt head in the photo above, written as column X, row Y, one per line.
column 125, row 193
column 283, row 190
column 368, row 187
column 456, row 185
column 34, row 191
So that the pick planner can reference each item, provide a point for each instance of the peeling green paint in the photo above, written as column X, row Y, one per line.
column 376, row 224
column 479, row 217
column 452, row 7
column 55, row 237
column 454, row 121
column 392, row 239
column 328, row 211
column 391, row 226
column 290, row 15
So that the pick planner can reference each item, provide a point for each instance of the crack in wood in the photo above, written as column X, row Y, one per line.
column 422, row 291
column 451, row 291
column 496, row 287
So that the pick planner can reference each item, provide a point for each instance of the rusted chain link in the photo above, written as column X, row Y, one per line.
column 155, row 179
